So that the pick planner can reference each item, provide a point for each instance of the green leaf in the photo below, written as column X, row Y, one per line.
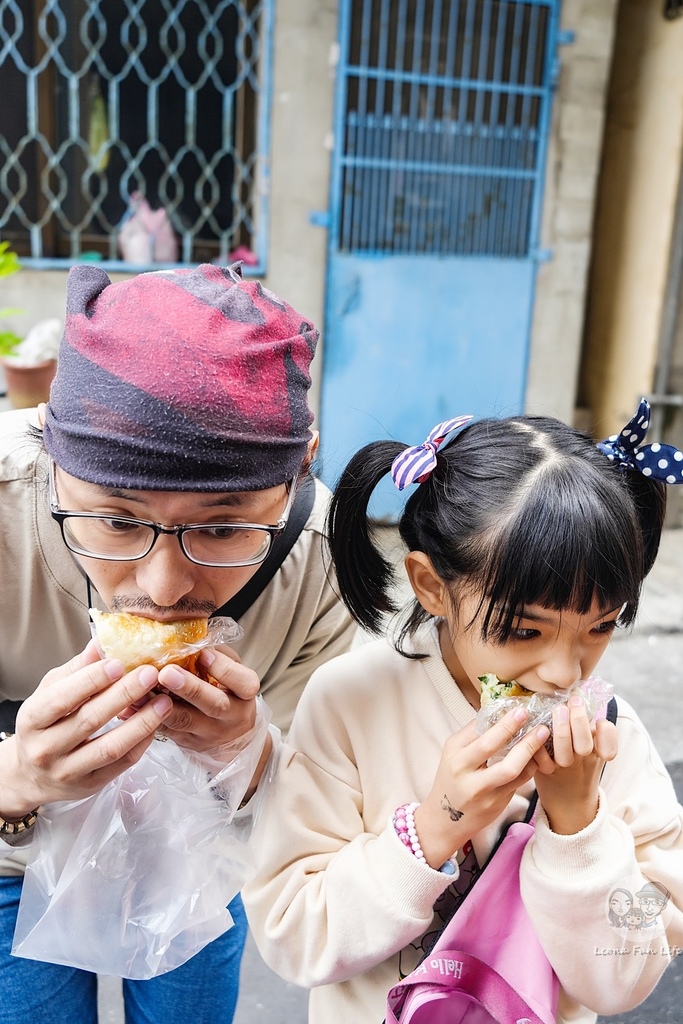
column 8, row 342
column 9, row 261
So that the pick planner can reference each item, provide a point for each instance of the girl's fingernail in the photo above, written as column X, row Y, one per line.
column 576, row 701
column 114, row 669
column 543, row 733
column 521, row 714
column 562, row 714
column 207, row 657
column 147, row 675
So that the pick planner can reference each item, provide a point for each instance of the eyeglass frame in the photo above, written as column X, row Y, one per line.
column 159, row 529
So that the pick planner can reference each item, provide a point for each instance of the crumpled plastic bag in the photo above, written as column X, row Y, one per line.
column 595, row 691
column 134, row 880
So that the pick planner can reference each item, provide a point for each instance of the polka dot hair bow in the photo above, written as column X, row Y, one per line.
column 659, row 461
column 415, row 464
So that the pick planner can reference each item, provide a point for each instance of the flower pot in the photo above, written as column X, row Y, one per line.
column 28, row 385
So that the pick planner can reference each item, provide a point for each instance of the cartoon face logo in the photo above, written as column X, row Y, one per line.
column 635, row 912
column 652, row 899
column 634, row 919
column 620, row 902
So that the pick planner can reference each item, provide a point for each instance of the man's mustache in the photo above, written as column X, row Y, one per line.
column 188, row 607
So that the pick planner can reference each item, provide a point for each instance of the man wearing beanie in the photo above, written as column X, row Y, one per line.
column 180, row 401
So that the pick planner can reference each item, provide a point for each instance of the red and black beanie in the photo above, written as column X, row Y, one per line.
column 188, row 379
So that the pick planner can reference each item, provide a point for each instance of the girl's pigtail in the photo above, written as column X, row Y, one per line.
column 364, row 576
column 649, row 498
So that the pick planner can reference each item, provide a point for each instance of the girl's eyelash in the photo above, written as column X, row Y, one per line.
column 524, row 634
column 607, row 627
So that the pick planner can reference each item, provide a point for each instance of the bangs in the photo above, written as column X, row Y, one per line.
column 579, row 548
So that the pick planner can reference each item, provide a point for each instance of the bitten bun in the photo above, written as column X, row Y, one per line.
column 492, row 689
column 136, row 640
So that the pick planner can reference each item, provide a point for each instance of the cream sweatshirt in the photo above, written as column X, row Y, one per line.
column 338, row 902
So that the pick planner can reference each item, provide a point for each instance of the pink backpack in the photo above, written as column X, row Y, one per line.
column 487, row 965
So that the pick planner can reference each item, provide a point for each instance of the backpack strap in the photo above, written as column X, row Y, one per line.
column 282, row 545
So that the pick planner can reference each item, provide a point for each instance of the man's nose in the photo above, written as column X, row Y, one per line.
column 166, row 575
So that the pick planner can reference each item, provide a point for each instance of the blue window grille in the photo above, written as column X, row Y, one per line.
column 104, row 100
column 442, row 118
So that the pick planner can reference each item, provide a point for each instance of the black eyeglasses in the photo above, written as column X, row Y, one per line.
column 125, row 539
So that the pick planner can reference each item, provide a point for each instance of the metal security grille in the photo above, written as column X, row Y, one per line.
column 106, row 99
column 442, row 117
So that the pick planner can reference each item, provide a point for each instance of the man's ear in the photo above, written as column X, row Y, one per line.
column 429, row 588
column 40, row 412
column 312, row 449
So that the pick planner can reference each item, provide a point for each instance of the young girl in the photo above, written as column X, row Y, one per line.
column 527, row 547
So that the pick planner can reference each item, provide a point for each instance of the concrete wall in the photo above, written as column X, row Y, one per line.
column 569, row 201
column 302, row 117
column 635, row 213
column 298, row 182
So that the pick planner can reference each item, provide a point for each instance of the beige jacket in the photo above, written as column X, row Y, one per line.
column 338, row 902
column 292, row 628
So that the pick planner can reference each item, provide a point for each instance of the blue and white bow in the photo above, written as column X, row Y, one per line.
column 415, row 464
column 659, row 461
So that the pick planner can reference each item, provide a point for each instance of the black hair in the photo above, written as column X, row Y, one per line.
column 524, row 510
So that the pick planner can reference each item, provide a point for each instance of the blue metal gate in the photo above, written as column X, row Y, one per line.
column 441, row 122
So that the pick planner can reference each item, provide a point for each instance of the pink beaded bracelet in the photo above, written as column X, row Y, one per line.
column 404, row 826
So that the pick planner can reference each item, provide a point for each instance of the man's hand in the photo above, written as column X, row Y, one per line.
column 205, row 717
column 53, row 755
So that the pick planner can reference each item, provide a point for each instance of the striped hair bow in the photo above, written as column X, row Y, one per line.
column 416, row 463
column 659, row 461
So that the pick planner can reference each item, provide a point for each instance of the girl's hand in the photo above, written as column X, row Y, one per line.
column 467, row 795
column 52, row 755
column 568, row 781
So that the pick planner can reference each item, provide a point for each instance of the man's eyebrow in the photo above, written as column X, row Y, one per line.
column 227, row 499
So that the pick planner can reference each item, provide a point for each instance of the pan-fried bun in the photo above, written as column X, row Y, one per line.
column 136, row 640
column 493, row 689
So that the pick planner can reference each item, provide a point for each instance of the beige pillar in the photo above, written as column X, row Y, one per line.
column 302, row 117
column 573, row 165
column 635, row 213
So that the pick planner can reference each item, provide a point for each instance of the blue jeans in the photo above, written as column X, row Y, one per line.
column 204, row 990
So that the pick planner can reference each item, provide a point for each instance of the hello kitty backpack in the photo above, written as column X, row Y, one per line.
column 487, row 965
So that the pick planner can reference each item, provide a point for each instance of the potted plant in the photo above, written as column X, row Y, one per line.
column 28, row 363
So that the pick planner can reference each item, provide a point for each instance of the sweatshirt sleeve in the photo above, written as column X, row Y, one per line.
column 331, row 898
column 634, row 844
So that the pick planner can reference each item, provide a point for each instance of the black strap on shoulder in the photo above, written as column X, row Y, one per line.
column 282, row 545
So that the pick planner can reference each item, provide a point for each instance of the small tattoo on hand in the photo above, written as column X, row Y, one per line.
column 452, row 813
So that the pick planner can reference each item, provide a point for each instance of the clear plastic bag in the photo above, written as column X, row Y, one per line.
column 595, row 691
column 135, row 880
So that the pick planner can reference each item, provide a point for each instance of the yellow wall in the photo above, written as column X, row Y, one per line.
column 635, row 211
